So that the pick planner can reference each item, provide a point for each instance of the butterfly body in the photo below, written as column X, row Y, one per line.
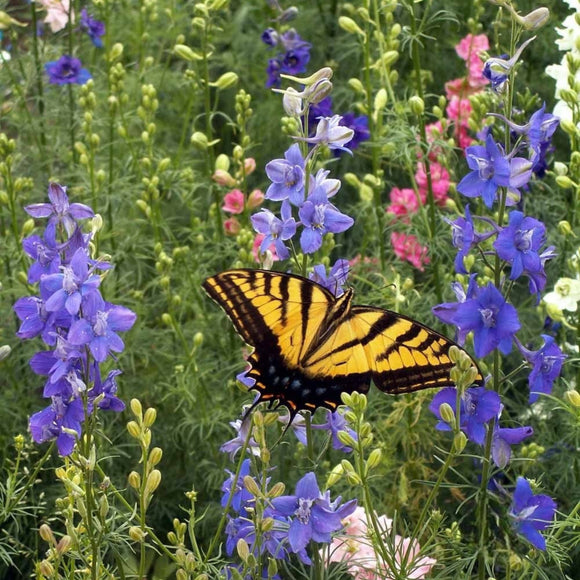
column 310, row 346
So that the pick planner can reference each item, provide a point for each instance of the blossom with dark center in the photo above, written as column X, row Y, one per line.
column 313, row 516
column 531, row 513
column 67, row 70
column 478, row 406
column 276, row 231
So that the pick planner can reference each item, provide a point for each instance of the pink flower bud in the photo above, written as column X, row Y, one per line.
column 222, row 177
column 249, row 165
column 255, row 199
column 234, row 201
column 232, row 227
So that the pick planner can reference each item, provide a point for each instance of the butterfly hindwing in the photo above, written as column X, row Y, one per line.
column 310, row 346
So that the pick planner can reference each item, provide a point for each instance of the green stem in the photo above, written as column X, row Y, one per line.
column 39, row 84
column 71, row 110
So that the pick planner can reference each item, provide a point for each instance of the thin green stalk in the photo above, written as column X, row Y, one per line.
column 71, row 111
column 39, row 84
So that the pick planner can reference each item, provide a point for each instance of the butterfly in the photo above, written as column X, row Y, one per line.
column 310, row 346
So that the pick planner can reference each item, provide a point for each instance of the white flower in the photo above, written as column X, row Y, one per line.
column 565, row 295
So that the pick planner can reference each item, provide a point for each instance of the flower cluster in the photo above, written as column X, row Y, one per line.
column 293, row 520
column 73, row 319
column 498, row 177
column 293, row 57
column 355, row 548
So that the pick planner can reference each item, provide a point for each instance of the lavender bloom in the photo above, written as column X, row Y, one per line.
column 36, row 320
column 298, row 426
column 98, row 329
column 287, row 176
column 320, row 179
column 66, row 70
column 94, row 28
column 336, row 422
column 531, row 513
column 59, row 210
column 319, row 216
column 273, row 70
column 496, row 70
column 48, row 423
column 478, row 406
column 313, row 516
column 58, row 362
column 490, row 169
column 275, row 230
column 519, row 244
column 44, row 252
column 66, row 290
column 270, row 37
column 241, row 496
column 335, row 280
column 234, row 445
column 330, row 132
column 492, row 320
column 106, row 391
column 546, row 366
column 503, row 438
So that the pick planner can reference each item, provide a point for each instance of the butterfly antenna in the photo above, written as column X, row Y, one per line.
column 291, row 416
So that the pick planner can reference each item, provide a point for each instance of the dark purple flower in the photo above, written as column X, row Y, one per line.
column 335, row 280
column 321, row 109
column 94, row 28
column 546, row 366
column 273, row 69
column 48, row 424
column 519, row 244
column 66, row 70
column 295, row 61
column 59, row 210
column 291, row 41
column 45, row 253
column 336, row 422
column 287, row 176
column 531, row 513
column 478, row 406
column 234, row 445
column 106, row 391
column 313, row 516
column 503, row 439
column 35, row 319
column 492, row 320
column 98, row 329
column 67, row 290
column 319, row 216
column 270, row 37
column 58, row 362
column 490, row 169
column 276, row 231
column 241, row 497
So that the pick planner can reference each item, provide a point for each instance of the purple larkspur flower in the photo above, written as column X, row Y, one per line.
column 273, row 71
column 99, row 326
column 321, row 109
column 240, row 496
column 45, row 252
column 242, row 431
column 270, row 37
column 57, row 362
column 36, row 320
column 478, row 406
column 335, row 279
column 531, row 513
column 503, row 439
column 298, row 426
column 360, row 127
column 321, row 179
column 493, row 321
column 519, row 244
column 67, row 70
column 67, row 289
column 106, row 391
column 546, row 366
column 93, row 27
column 59, row 210
column 334, row 423
column 313, row 516
column 497, row 69
column 319, row 216
column 287, row 177
column 276, row 231
column 48, row 424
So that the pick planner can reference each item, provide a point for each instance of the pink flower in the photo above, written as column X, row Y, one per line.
column 234, row 201
column 222, row 177
column 355, row 548
column 458, row 109
column 439, row 182
column 471, row 46
column 404, row 202
column 249, row 165
column 255, row 199
column 232, row 226
column 256, row 249
column 407, row 247
column 57, row 13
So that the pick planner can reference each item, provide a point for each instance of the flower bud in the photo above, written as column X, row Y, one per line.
column 276, row 490
column 136, row 533
column 249, row 165
column 222, row 163
column 134, row 429
column 46, row 534
column 573, row 397
column 153, row 482
column 222, row 177
column 390, row 57
column 446, row 413
column 64, row 545
column 251, row 485
column 46, row 568
column 226, row 81
column 27, row 227
column 564, row 182
column 567, row 125
column 116, row 52
column 565, row 228
column 374, row 458
column 136, row 408
column 535, row 19
column 186, row 53
column 417, row 105
column 560, row 168
column 356, row 85
column 380, row 100
column 292, row 102
column 4, row 351
column 459, row 442
column 243, row 549
column 134, row 480
column 318, row 91
column 199, row 141
column 255, row 199
column 350, row 26
column 335, row 475
column 346, row 439
column 167, row 319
